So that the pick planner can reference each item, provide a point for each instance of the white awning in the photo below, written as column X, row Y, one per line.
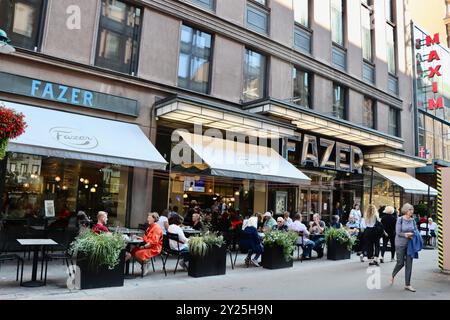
column 408, row 183
column 240, row 160
column 68, row 135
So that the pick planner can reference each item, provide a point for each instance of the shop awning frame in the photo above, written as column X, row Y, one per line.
column 239, row 160
column 62, row 134
column 407, row 182
column 393, row 159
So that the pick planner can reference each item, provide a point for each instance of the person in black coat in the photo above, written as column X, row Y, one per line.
column 388, row 221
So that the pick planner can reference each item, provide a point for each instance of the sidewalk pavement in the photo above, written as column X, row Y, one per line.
column 316, row 279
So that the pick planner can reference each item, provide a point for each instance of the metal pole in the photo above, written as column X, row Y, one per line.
column 428, row 214
column 371, row 187
column 169, row 184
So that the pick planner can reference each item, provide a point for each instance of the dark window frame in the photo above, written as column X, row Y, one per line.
column 374, row 113
column 136, row 35
column 211, row 57
column 397, row 120
column 261, row 8
column 199, row 4
column 35, row 43
column 371, row 9
column 266, row 73
column 346, row 100
column 310, row 86
column 344, row 26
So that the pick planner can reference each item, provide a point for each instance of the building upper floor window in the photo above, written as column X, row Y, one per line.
column 118, row 36
column 195, row 59
column 263, row 2
column 257, row 16
column 339, row 101
column 301, row 12
column 393, row 122
column 208, row 4
column 367, row 30
column 21, row 20
column 369, row 113
column 389, row 10
column 254, row 75
column 337, row 21
column 302, row 87
column 391, row 49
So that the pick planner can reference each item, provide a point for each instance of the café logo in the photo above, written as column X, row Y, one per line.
column 74, row 138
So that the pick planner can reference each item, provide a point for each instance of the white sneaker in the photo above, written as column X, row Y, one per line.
column 255, row 263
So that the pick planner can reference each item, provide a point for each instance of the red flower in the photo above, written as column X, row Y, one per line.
column 12, row 124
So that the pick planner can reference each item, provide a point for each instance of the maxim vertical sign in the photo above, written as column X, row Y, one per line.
column 428, row 66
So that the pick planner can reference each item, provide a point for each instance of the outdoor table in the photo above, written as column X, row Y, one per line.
column 36, row 244
column 189, row 232
column 126, row 230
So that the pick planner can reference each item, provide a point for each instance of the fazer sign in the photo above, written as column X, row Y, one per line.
column 74, row 138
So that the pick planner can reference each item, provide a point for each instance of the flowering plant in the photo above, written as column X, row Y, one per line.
column 342, row 236
column 286, row 240
column 12, row 125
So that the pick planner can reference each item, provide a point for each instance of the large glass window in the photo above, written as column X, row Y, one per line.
column 389, row 10
column 393, row 122
column 254, row 75
column 257, row 17
column 72, row 185
column 118, row 37
column 390, row 42
column 366, row 29
column 209, row 4
column 337, row 21
column 302, row 87
column 301, row 12
column 21, row 20
column 369, row 113
column 339, row 101
column 438, row 146
column 195, row 59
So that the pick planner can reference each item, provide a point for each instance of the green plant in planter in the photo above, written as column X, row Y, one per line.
column 341, row 236
column 286, row 240
column 199, row 245
column 101, row 249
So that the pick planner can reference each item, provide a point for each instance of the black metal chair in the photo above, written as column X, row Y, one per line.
column 64, row 238
column 300, row 245
column 152, row 260
column 12, row 257
column 167, row 250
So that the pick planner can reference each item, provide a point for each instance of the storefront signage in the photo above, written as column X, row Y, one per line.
column 73, row 138
column 428, row 66
column 83, row 98
column 328, row 154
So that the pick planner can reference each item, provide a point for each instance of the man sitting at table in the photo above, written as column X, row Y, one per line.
column 196, row 223
column 152, row 241
column 102, row 218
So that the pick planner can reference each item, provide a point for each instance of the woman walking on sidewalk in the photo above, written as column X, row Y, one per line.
column 372, row 234
column 404, row 233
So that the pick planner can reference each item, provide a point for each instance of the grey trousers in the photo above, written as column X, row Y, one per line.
column 403, row 260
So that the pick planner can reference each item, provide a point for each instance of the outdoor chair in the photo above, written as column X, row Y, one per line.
column 300, row 245
column 152, row 260
column 12, row 257
column 167, row 250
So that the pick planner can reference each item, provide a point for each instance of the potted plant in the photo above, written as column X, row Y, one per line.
column 207, row 255
column 12, row 125
column 279, row 248
column 100, row 259
column 339, row 243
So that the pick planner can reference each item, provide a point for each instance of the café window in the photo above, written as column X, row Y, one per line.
column 254, row 75
column 72, row 185
column 302, row 87
column 22, row 21
column 393, row 122
column 195, row 59
column 369, row 113
column 339, row 101
column 118, row 36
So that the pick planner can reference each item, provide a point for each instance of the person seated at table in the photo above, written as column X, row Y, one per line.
column 352, row 225
column 100, row 226
column 335, row 222
column 183, row 245
column 163, row 221
column 281, row 226
column 152, row 241
column 196, row 223
column 287, row 219
column 303, row 232
column 269, row 222
column 250, row 240
column 317, row 226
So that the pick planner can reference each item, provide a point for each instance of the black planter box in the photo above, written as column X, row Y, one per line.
column 214, row 263
column 92, row 277
column 273, row 258
column 337, row 251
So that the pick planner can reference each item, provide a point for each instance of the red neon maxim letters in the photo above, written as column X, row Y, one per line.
column 433, row 41
column 433, row 104
column 433, row 56
column 435, row 71
column 435, row 87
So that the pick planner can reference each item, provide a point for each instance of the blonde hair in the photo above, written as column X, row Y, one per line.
column 102, row 214
column 155, row 215
column 371, row 214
